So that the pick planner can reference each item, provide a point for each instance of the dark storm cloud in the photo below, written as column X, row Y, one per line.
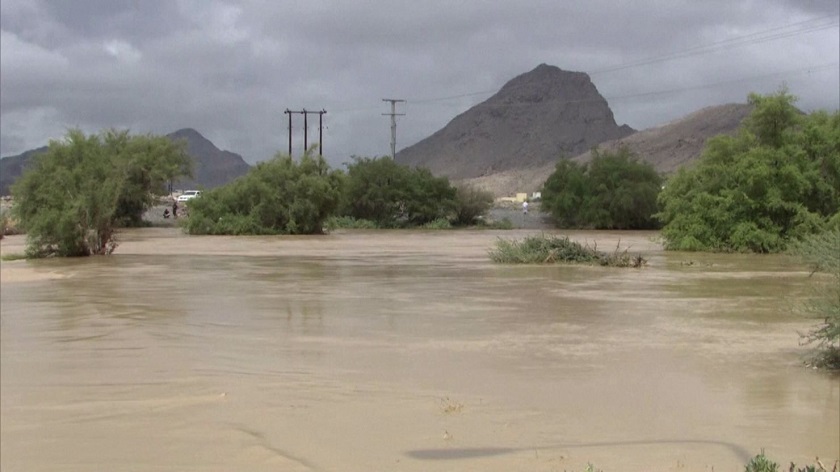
column 230, row 68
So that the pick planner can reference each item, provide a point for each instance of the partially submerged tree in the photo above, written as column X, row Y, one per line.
column 147, row 164
column 279, row 196
column 72, row 198
column 776, row 181
column 614, row 191
column 470, row 204
column 392, row 195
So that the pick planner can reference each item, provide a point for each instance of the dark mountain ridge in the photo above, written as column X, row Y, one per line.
column 534, row 119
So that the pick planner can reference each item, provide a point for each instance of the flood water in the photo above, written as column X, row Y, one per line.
column 404, row 351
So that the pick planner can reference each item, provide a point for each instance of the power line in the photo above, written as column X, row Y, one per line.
column 770, row 34
column 802, row 27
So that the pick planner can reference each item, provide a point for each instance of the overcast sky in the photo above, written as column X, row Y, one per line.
column 229, row 68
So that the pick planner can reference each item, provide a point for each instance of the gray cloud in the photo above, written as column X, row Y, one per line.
column 230, row 68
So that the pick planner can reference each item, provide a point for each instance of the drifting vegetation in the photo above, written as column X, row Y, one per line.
column 614, row 191
column 777, row 181
column 76, row 194
column 547, row 249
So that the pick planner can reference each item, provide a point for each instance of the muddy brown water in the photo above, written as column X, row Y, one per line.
column 403, row 350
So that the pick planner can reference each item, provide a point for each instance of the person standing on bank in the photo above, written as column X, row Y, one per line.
column 175, row 209
column 525, row 208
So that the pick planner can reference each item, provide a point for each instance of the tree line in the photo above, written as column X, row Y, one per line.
column 74, row 197
column 774, row 182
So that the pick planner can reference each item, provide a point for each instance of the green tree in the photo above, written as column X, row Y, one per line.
column 376, row 190
column 776, row 181
column 614, row 191
column 624, row 191
column 393, row 195
column 73, row 196
column 147, row 164
column 567, row 193
column 429, row 198
column 279, row 196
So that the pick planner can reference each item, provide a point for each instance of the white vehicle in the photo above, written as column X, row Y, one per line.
column 189, row 195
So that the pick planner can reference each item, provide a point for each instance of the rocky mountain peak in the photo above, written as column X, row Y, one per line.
column 536, row 117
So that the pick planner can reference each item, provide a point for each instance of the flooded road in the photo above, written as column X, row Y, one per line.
column 406, row 351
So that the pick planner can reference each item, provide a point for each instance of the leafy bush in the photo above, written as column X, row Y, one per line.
column 74, row 195
column 822, row 251
column 279, row 196
column 615, row 191
column 776, row 181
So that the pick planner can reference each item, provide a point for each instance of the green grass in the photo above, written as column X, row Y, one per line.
column 504, row 223
column 348, row 222
column 13, row 257
column 440, row 223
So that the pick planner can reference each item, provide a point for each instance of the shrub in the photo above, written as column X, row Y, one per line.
column 822, row 252
column 470, row 204
column 615, row 191
column 279, row 196
column 348, row 222
column 760, row 463
column 440, row 223
column 504, row 223
column 394, row 195
column 74, row 196
column 776, row 181
column 545, row 249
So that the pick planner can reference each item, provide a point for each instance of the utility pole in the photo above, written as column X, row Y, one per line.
column 393, row 116
column 305, row 114
column 289, row 112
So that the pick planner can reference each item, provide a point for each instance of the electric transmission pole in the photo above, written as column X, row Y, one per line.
column 393, row 116
column 305, row 114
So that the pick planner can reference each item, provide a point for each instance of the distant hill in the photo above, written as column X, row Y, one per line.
column 667, row 147
column 534, row 119
column 212, row 167
column 12, row 167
